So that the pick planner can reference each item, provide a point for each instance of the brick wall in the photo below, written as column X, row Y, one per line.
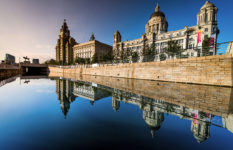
column 210, row 70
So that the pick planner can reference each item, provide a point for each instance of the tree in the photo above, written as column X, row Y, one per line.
column 80, row 60
column 162, row 57
column 173, row 48
column 87, row 61
column 101, row 59
column 149, row 53
column 109, row 56
column 94, row 59
column 134, row 56
column 206, row 46
column 51, row 62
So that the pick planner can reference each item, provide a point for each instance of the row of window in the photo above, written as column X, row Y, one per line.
column 133, row 48
column 170, row 36
column 153, row 28
column 207, row 17
column 83, row 50
column 84, row 55
column 133, row 43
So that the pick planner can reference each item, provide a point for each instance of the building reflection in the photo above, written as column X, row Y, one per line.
column 89, row 91
column 67, row 91
column 153, row 111
column 201, row 126
column 64, row 90
column 153, row 119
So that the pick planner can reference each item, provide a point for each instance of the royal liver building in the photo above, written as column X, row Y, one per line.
column 190, row 38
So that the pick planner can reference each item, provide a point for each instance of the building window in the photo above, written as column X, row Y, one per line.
column 157, row 27
column 153, row 28
column 180, row 41
column 190, row 46
column 206, row 17
column 214, row 30
column 206, row 29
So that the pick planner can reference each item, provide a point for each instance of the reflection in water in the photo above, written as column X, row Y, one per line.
column 3, row 82
column 201, row 126
column 64, row 89
column 152, row 110
column 89, row 91
column 134, row 114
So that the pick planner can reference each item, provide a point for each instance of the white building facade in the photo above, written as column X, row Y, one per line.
column 156, row 32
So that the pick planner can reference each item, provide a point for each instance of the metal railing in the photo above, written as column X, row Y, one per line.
column 218, row 49
column 5, row 66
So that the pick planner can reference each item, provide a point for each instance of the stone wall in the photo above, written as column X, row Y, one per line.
column 7, row 73
column 212, row 99
column 209, row 70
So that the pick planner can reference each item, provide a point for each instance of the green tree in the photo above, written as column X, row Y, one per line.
column 134, row 56
column 206, row 46
column 173, row 48
column 102, row 58
column 149, row 53
column 87, row 61
column 80, row 60
column 51, row 62
column 94, row 59
column 162, row 57
column 109, row 56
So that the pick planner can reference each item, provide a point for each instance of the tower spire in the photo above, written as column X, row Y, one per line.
column 92, row 38
column 157, row 8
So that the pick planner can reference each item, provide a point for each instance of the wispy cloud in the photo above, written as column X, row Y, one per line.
column 42, row 46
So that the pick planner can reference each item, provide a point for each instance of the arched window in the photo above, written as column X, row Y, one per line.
column 206, row 17
column 214, row 16
column 153, row 28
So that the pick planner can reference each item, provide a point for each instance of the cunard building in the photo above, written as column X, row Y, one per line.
column 156, row 32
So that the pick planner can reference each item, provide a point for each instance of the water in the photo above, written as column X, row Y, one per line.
column 78, row 113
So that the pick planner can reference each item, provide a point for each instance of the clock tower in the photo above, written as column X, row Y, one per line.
column 64, row 47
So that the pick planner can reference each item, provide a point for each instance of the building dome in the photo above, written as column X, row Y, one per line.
column 207, row 4
column 157, row 12
column 157, row 23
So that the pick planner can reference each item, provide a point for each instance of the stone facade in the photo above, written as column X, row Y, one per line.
column 64, row 47
column 190, row 38
column 88, row 49
column 230, row 48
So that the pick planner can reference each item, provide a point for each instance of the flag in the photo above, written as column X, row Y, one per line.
column 199, row 39
column 212, row 41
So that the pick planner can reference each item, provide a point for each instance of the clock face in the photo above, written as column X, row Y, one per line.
column 66, row 34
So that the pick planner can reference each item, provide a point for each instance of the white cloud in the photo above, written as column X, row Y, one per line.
column 41, row 46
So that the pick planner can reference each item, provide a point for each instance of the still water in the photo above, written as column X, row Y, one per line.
column 105, row 113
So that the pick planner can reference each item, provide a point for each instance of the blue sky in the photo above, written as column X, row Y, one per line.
column 31, row 27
